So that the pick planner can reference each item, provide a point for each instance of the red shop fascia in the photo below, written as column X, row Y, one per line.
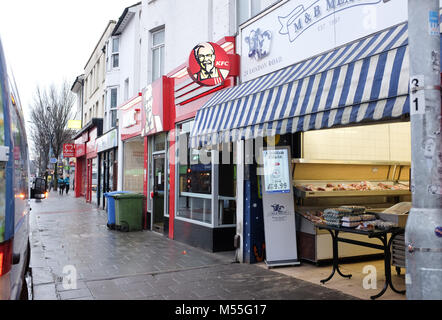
column 85, row 152
column 188, row 97
column 157, row 117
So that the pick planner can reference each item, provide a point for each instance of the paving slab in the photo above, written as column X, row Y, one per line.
column 69, row 234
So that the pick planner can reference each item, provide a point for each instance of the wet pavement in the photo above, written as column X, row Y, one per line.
column 74, row 256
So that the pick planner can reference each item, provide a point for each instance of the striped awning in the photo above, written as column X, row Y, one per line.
column 364, row 81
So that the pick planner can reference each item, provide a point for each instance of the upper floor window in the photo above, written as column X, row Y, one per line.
column 126, row 89
column 246, row 9
column 113, row 107
column 115, row 60
column 158, row 54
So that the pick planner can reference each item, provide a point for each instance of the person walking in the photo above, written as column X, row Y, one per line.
column 60, row 186
column 66, row 184
column 49, row 182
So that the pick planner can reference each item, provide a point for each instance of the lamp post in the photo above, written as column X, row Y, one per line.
column 423, row 234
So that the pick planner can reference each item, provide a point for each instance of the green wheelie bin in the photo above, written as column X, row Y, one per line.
column 129, row 211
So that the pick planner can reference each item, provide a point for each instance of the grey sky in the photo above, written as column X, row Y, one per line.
column 48, row 41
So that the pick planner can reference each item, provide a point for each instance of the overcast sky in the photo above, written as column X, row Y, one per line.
column 49, row 41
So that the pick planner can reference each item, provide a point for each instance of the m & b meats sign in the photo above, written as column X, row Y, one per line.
column 298, row 30
column 301, row 18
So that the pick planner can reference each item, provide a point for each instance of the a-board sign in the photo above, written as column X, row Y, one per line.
column 278, row 208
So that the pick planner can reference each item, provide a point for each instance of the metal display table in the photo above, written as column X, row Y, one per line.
column 379, row 234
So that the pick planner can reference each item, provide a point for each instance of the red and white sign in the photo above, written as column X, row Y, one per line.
column 158, row 112
column 68, row 150
column 209, row 64
column 130, row 123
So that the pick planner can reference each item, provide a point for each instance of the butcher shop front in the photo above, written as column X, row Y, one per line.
column 341, row 108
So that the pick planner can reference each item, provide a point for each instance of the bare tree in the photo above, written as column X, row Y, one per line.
column 40, row 130
column 50, row 114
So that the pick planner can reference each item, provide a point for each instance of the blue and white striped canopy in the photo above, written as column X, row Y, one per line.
column 364, row 81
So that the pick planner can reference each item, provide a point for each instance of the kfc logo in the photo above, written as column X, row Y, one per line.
column 209, row 64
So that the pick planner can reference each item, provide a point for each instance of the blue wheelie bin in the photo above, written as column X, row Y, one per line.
column 111, row 207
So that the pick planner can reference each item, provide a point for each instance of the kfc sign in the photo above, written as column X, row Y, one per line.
column 209, row 64
column 68, row 150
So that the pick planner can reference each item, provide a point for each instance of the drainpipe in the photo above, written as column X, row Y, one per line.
column 423, row 234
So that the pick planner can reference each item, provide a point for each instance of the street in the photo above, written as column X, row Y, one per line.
column 75, row 257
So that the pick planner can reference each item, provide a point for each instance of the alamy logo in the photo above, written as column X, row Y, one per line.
column 69, row 277
column 259, row 43
column 301, row 18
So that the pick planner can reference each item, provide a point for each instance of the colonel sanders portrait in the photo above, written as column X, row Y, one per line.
column 208, row 74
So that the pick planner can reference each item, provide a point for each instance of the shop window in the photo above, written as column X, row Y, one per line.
column 159, row 142
column 227, row 184
column 133, row 165
column 94, row 182
column 195, row 179
column 380, row 142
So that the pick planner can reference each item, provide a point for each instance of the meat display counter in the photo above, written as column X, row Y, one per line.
column 322, row 184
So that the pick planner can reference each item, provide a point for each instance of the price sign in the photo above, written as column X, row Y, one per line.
column 278, row 208
column 417, row 95
column 276, row 171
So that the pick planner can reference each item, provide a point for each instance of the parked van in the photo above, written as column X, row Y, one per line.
column 14, row 190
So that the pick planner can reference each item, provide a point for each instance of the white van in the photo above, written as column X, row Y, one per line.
column 14, row 191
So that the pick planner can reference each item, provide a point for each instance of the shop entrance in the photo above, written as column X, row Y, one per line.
column 158, row 183
column 159, row 162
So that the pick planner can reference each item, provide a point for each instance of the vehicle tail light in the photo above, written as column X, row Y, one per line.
column 46, row 195
column 5, row 257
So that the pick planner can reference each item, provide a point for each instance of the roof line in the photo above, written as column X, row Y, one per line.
column 104, row 32
column 123, row 15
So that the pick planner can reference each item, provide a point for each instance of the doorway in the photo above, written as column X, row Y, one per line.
column 158, row 186
column 159, row 163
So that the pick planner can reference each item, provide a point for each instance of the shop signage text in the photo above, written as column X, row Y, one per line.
column 153, row 122
column 107, row 141
column 80, row 150
column 129, row 118
column 300, row 19
column 68, row 150
column 91, row 145
column 209, row 64
column 298, row 30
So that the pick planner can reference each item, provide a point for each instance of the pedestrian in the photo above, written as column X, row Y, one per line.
column 66, row 184
column 50, row 182
column 60, row 186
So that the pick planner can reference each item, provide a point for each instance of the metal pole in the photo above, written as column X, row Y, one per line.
column 423, row 234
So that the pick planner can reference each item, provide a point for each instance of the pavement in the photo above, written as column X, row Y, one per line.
column 74, row 256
